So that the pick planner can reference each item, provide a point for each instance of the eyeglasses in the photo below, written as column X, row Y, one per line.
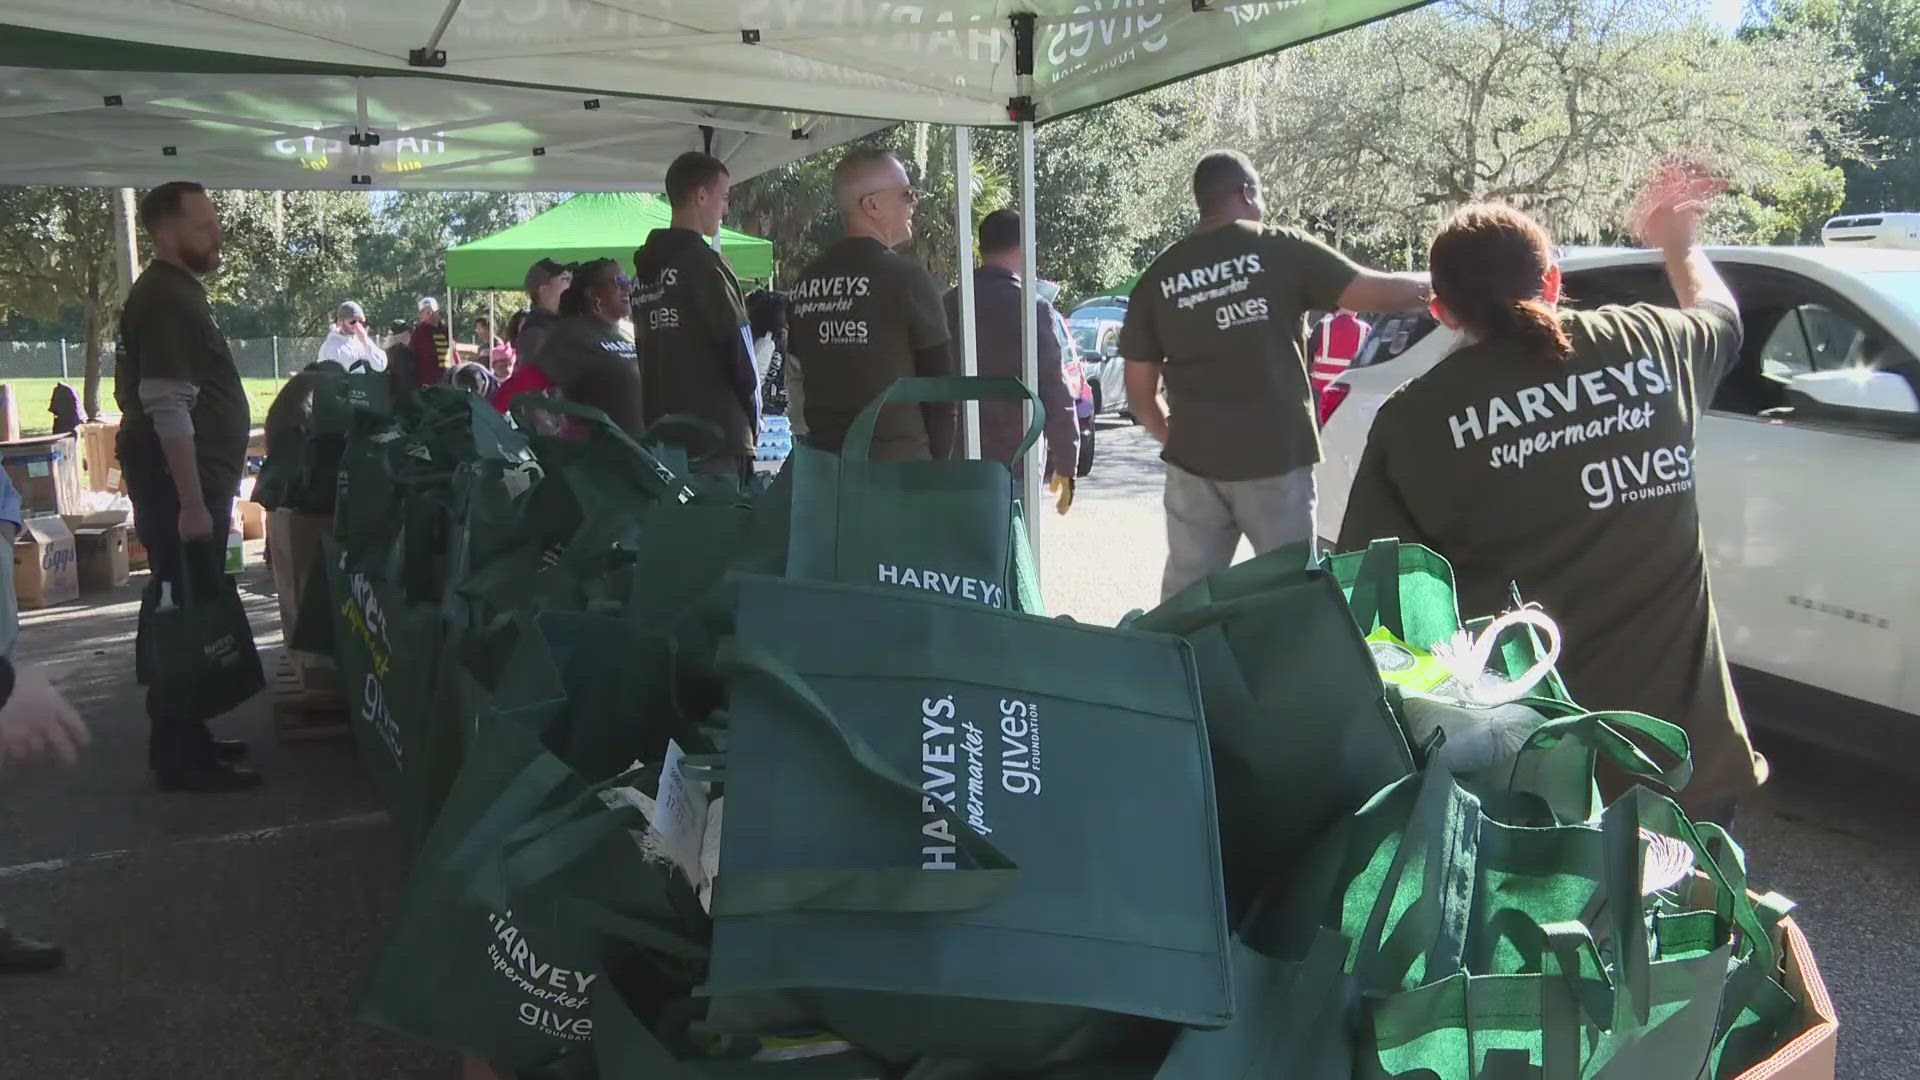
column 911, row 194
column 622, row 282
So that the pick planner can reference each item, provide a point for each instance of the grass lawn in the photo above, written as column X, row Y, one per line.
column 30, row 397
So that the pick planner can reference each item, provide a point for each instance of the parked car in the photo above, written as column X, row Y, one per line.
column 1097, row 342
column 1074, row 371
column 1809, row 464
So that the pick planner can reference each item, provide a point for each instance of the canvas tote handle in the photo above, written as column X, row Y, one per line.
column 912, row 890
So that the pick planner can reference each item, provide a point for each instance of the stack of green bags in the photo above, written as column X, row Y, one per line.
column 717, row 778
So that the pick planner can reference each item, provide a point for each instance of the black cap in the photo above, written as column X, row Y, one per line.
column 542, row 272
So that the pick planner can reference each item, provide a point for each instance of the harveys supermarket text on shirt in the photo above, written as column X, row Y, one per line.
column 557, row 997
column 831, row 294
column 1201, row 284
column 653, row 292
column 966, row 762
column 1541, row 420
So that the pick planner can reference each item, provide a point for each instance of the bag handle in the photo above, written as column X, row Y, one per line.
column 1443, row 832
column 767, row 892
column 949, row 388
column 690, row 422
column 653, row 472
column 1376, row 589
column 1606, row 733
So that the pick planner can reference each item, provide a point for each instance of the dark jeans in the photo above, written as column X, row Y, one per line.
column 174, row 741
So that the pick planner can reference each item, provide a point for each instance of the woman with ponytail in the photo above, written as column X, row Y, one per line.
column 1553, row 450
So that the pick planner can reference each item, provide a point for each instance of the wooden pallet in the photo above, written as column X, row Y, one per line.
column 299, row 713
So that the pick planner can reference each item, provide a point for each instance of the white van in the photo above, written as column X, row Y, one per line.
column 1873, row 230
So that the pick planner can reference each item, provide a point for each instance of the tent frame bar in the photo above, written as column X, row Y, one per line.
column 963, row 248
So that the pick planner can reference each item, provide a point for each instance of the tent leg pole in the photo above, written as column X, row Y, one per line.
column 963, row 256
column 1029, row 336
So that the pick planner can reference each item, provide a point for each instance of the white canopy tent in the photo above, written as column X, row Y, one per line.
column 578, row 94
column 321, row 130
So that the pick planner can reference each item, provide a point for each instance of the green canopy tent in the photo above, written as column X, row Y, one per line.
column 602, row 225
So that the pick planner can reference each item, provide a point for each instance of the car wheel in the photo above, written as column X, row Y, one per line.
column 1098, row 404
column 1084, row 464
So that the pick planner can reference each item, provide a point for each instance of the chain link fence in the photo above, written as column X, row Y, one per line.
column 257, row 358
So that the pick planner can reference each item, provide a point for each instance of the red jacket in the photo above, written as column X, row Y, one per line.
column 526, row 379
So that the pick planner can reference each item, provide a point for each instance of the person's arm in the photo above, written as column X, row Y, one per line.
column 726, row 327
column 1146, row 355
column 1371, row 290
column 1143, row 397
column 35, row 721
column 1062, row 422
column 169, row 344
column 933, row 356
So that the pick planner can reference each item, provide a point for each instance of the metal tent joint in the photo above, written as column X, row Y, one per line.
column 539, row 151
column 1023, row 36
column 434, row 58
column 169, row 151
column 1020, row 109
column 362, row 180
column 749, row 37
column 1202, row 6
column 112, row 101
column 364, row 138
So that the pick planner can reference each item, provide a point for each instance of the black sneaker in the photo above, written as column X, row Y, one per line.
column 213, row 778
column 25, row 956
column 229, row 749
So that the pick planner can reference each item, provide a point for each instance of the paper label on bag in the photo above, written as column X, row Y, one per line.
column 680, row 818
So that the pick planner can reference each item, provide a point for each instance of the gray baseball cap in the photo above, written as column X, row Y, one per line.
column 349, row 311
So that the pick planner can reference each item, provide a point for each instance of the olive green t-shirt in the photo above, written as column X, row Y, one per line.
column 1576, row 483
column 1226, row 312
column 167, row 332
column 860, row 314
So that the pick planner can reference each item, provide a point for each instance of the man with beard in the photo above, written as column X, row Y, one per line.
column 183, row 446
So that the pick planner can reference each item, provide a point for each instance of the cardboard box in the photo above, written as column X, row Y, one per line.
column 102, row 557
column 46, row 471
column 253, row 519
column 44, row 570
column 1809, row 1055
column 293, row 541
column 100, row 455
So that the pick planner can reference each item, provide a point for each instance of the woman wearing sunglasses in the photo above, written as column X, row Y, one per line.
column 588, row 356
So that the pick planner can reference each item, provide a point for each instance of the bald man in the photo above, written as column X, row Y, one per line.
column 1220, row 319
column 864, row 315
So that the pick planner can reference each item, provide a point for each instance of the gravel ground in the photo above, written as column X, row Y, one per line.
column 225, row 937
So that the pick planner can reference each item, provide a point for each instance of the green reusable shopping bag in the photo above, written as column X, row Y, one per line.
column 1643, row 1000
column 1488, row 951
column 343, row 402
column 947, row 527
column 389, row 652
column 626, row 1047
column 1301, row 733
column 457, row 973
column 960, row 831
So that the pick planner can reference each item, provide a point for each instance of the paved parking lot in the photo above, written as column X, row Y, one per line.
column 224, row 937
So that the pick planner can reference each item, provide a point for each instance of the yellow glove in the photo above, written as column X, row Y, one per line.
column 1063, row 487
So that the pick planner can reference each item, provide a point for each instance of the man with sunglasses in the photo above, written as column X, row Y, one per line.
column 864, row 316
column 349, row 345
